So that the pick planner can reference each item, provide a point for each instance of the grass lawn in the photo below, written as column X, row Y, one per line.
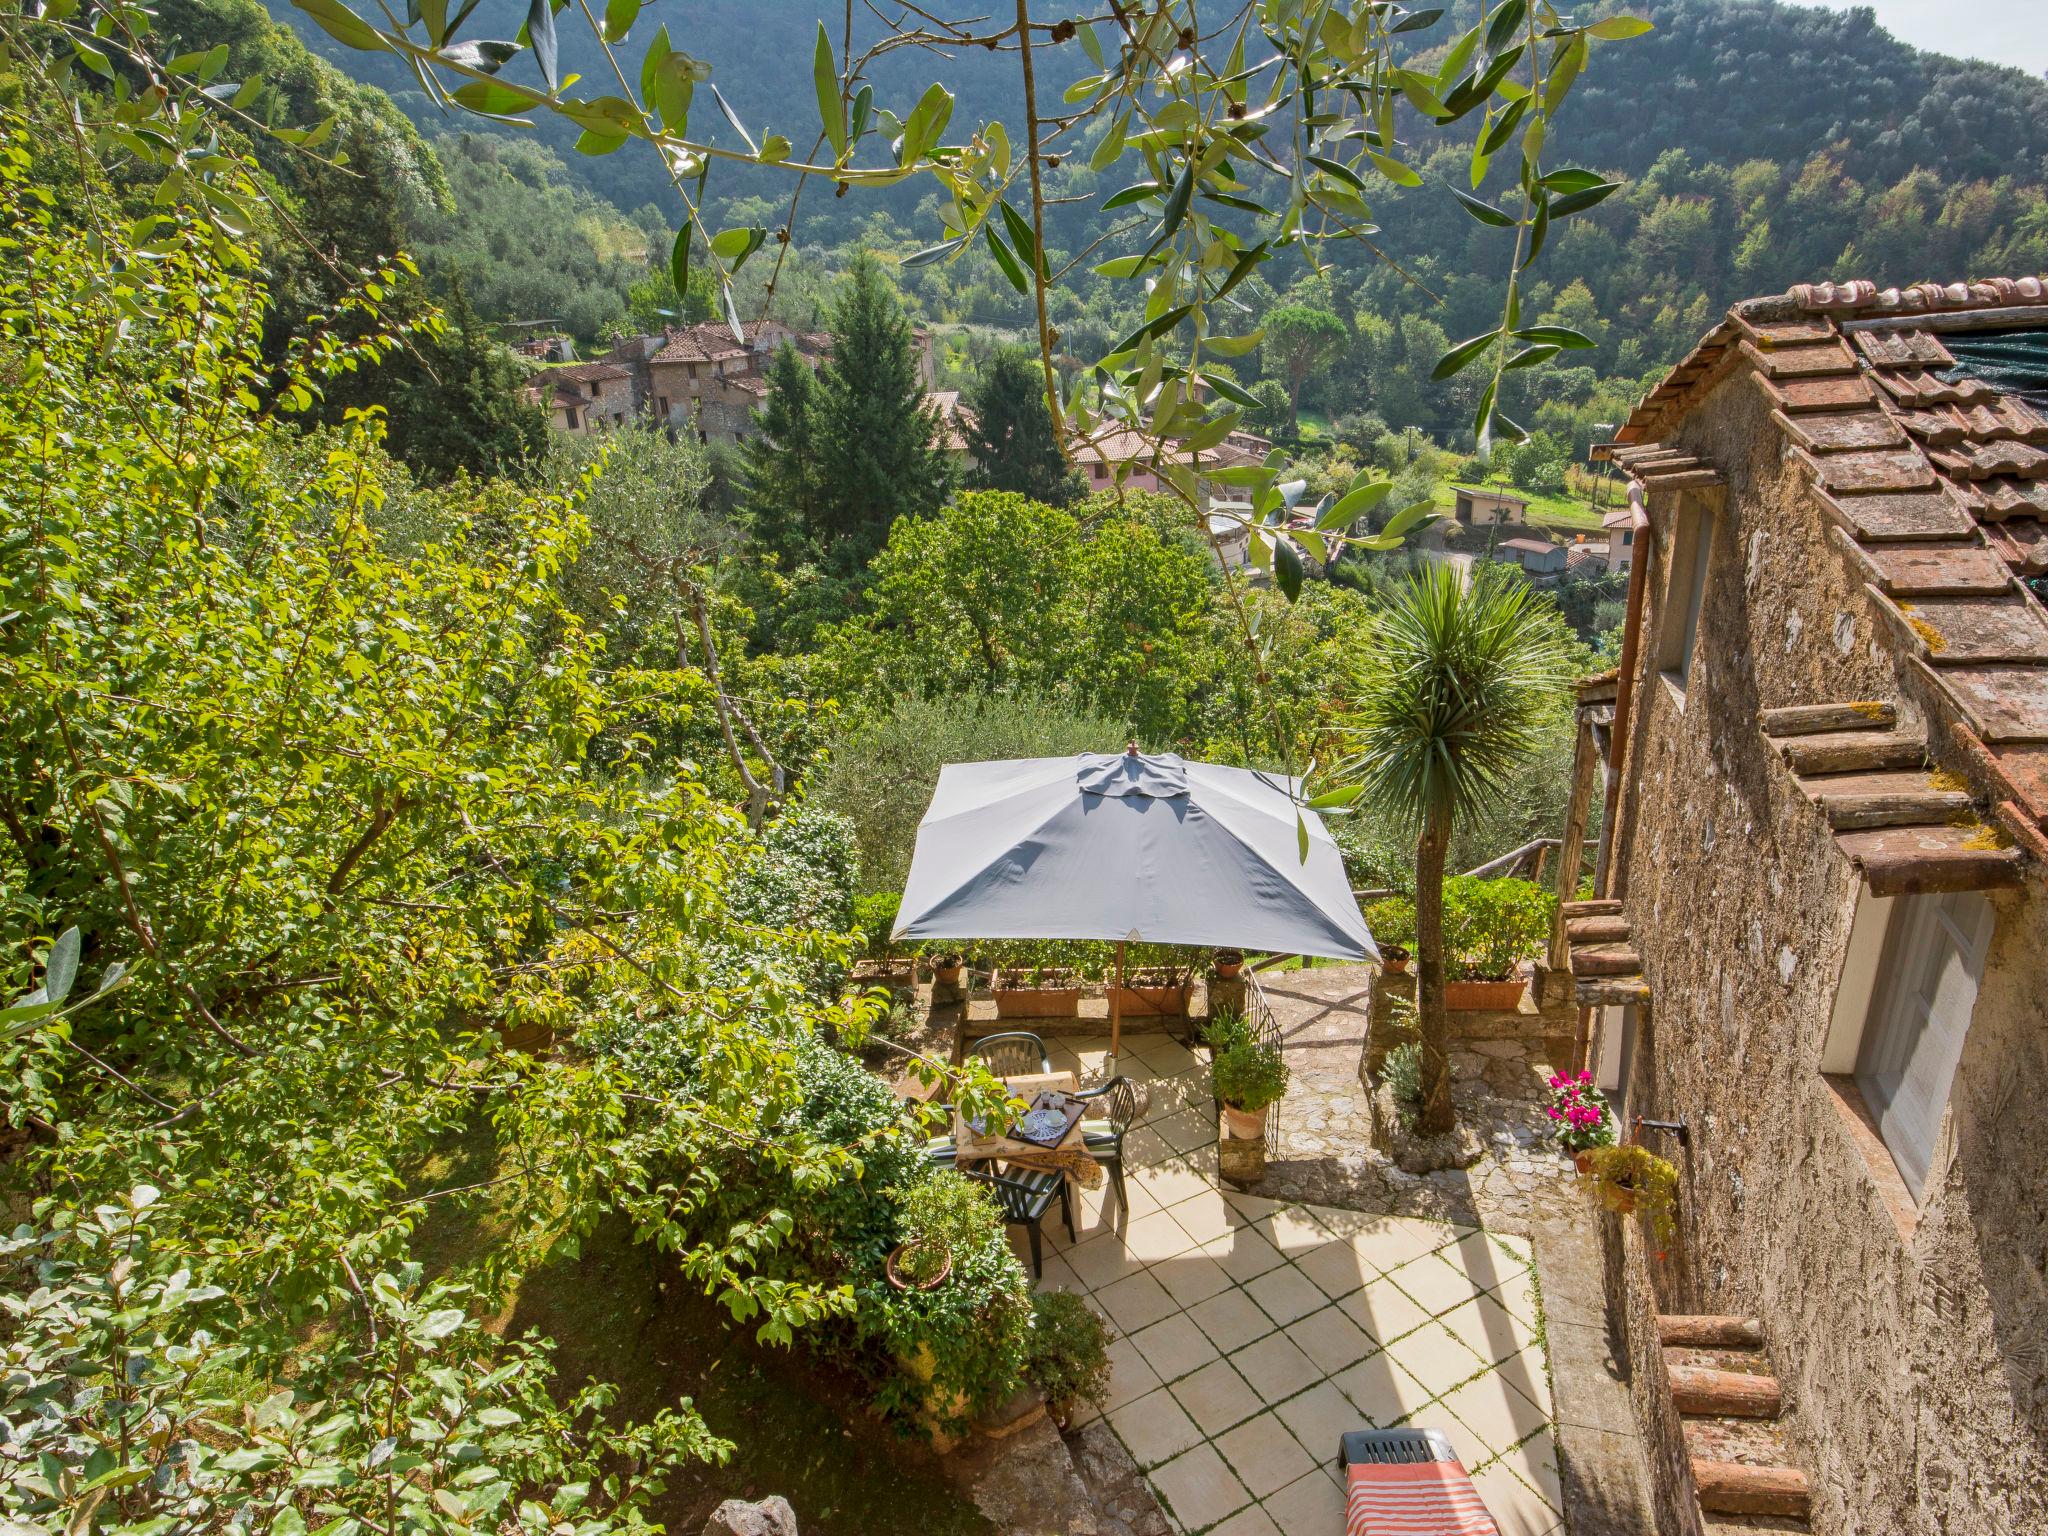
column 622, row 1313
column 1545, row 511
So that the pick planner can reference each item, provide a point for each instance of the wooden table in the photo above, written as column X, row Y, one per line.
column 1069, row 1157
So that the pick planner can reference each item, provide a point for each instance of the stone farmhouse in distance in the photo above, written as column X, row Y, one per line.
column 1815, row 960
column 695, row 378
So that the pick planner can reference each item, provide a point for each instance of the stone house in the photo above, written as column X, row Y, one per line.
column 1621, row 539
column 584, row 397
column 1817, row 944
column 1099, row 455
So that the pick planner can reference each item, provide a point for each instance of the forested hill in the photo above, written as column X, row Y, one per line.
column 1723, row 80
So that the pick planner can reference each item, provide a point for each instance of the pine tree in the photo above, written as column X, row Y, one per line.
column 1009, row 432
column 878, row 454
column 782, row 502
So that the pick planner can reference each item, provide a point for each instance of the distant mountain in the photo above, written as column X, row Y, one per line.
column 1724, row 80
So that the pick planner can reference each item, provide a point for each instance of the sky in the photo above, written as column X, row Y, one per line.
column 2003, row 31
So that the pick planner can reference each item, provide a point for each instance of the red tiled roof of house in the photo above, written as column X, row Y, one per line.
column 703, row 343
column 586, row 373
column 1936, row 479
column 953, row 419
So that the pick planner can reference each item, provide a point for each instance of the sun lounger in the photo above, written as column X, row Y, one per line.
column 1408, row 1482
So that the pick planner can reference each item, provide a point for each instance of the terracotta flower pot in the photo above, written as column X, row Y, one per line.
column 1484, row 996
column 1583, row 1160
column 946, row 972
column 1244, row 1124
column 1393, row 960
column 1051, row 996
column 1229, row 963
column 900, row 1283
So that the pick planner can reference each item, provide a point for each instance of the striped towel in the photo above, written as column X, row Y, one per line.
column 1415, row 1498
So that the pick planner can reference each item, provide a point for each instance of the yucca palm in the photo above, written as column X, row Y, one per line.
column 1452, row 690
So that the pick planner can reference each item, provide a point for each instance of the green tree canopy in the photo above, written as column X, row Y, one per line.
column 1299, row 340
column 1009, row 432
column 875, row 439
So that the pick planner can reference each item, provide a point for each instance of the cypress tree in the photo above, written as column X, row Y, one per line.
column 781, row 461
column 878, row 455
column 1010, row 433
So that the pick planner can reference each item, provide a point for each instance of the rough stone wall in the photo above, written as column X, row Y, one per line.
column 1919, row 1363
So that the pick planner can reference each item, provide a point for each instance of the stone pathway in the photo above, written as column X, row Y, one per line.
column 1253, row 1330
column 1323, row 1151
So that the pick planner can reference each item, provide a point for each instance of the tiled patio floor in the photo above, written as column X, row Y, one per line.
column 1252, row 1332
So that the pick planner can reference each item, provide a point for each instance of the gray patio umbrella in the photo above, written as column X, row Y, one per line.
column 1151, row 849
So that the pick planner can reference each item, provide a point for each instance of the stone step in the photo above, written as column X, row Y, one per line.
column 1750, row 1442
column 1703, row 1390
column 1611, row 992
column 1745, row 1359
column 1612, row 928
column 1731, row 1488
column 1606, row 960
column 1706, row 1330
column 1749, row 1525
column 1598, row 908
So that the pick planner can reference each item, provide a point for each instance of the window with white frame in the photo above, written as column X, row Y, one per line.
column 1920, row 994
column 1679, row 625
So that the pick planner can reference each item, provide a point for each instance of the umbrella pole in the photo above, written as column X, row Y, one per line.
column 1116, row 993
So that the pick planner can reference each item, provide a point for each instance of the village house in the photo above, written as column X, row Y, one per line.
column 1538, row 558
column 1621, row 538
column 1109, row 457
column 1488, row 508
column 1814, row 965
column 584, row 397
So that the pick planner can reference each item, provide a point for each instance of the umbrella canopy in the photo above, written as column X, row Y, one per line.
column 1151, row 849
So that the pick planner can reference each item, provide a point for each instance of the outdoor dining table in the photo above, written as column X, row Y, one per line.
column 1068, row 1156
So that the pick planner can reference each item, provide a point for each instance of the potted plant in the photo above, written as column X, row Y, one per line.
column 939, row 1216
column 1248, row 1077
column 1229, row 962
column 1394, row 959
column 1391, row 921
column 946, row 970
column 1579, row 1113
column 1067, row 1354
column 1632, row 1180
column 1155, row 990
column 1491, row 928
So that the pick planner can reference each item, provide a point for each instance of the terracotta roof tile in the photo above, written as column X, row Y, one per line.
column 1980, row 461
column 1904, row 469
column 1951, row 569
column 1933, row 514
column 1998, row 500
column 1919, row 388
column 1838, row 431
column 2024, row 544
column 1809, row 360
column 1861, row 294
column 1795, row 396
column 1958, row 630
column 2007, row 702
column 1904, row 349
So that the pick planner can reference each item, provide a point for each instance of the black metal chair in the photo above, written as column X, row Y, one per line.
column 940, row 1151
column 1120, row 1102
column 1015, row 1053
column 1025, row 1195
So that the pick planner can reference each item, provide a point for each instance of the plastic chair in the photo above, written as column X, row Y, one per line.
column 1025, row 1195
column 1120, row 1102
column 1016, row 1053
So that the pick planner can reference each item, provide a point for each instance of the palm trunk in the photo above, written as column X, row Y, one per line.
column 1431, row 849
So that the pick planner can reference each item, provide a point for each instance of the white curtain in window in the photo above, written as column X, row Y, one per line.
column 1920, row 1011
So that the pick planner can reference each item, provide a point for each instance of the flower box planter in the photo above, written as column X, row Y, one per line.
column 1151, row 995
column 1046, row 995
column 1484, row 996
column 896, row 975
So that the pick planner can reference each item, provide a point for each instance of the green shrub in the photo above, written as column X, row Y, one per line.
column 1490, row 925
column 1402, row 1073
column 873, row 918
column 1067, row 1358
column 1226, row 1029
column 1391, row 920
column 1249, row 1076
column 937, row 1217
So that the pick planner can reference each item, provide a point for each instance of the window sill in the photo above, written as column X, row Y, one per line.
column 1860, row 1126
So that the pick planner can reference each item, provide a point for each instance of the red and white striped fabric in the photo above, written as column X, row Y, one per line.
column 1414, row 1498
